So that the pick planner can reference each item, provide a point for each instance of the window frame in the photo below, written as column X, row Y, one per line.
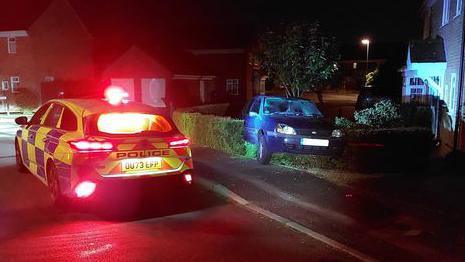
column 42, row 114
column 12, row 45
column 458, row 8
column 60, row 124
column 7, row 84
column 445, row 12
column 232, row 86
column 50, row 110
column 13, row 81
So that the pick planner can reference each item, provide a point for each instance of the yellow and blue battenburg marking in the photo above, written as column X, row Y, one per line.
column 39, row 144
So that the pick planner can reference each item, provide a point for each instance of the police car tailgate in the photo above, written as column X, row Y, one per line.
column 144, row 156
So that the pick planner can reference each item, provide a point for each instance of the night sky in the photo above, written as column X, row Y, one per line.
column 230, row 23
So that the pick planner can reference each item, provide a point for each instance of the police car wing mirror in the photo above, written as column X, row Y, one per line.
column 22, row 120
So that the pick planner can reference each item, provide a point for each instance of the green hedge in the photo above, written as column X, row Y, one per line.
column 220, row 133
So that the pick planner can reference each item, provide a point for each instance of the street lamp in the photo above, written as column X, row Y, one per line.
column 367, row 43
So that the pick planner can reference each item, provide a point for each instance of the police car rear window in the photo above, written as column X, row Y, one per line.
column 132, row 123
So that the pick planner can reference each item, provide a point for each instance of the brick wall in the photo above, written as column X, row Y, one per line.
column 62, row 46
column 19, row 64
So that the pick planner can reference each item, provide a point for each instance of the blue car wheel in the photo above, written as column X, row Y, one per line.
column 263, row 154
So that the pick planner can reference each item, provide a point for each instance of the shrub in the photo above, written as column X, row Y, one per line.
column 220, row 133
column 382, row 114
column 343, row 123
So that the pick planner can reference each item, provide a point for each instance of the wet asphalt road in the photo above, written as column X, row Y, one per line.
column 140, row 226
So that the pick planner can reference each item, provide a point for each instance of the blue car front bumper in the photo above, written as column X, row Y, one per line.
column 293, row 144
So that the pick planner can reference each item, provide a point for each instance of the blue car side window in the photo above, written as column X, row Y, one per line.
column 255, row 108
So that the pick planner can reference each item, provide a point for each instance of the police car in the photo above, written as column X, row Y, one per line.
column 74, row 145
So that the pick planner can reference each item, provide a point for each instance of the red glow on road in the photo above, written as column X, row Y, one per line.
column 85, row 189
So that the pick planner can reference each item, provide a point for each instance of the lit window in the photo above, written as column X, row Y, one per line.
column 11, row 45
column 354, row 66
column 445, row 12
column 458, row 9
column 14, row 83
column 232, row 86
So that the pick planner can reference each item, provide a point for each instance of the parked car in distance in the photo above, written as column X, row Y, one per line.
column 291, row 125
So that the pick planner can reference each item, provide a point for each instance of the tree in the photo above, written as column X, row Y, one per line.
column 298, row 57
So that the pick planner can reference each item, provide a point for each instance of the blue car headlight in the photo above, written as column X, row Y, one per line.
column 337, row 133
column 285, row 129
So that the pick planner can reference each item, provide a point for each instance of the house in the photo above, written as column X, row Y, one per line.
column 435, row 66
column 55, row 45
column 156, row 79
column 238, row 75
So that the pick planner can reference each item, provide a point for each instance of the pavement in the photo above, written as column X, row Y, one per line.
column 141, row 225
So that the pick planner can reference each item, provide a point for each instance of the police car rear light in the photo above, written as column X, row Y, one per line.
column 84, row 145
column 85, row 189
column 180, row 142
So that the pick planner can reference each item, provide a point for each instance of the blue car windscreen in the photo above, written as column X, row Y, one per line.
column 296, row 107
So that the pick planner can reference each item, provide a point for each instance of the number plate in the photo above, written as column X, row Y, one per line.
column 140, row 165
column 315, row 142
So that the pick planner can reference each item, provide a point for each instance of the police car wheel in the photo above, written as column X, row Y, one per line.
column 19, row 161
column 263, row 155
column 54, row 187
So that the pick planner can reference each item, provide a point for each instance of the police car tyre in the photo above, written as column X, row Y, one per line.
column 19, row 161
column 54, row 186
column 263, row 155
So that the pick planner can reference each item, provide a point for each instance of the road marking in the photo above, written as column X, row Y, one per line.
column 225, row 192
column 297, row 200
column 273, row 190
column 91, row 252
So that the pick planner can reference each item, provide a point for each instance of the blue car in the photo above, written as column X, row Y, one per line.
column 291, row 125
